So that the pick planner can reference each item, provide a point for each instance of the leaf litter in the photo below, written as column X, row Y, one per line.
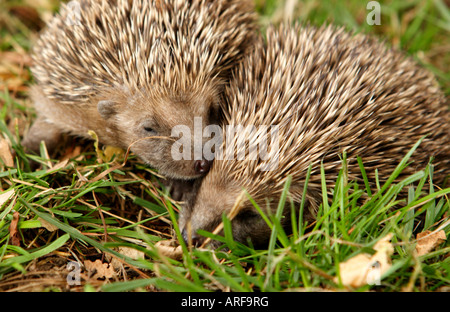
column 364, row 269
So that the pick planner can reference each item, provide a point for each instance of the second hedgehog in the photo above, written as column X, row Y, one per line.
column 132, row 70
column 327, row 91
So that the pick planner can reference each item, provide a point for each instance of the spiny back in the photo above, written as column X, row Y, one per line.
column 330, row 91
column 161, row 45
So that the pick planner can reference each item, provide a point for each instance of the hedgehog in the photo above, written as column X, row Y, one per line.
column 132, row 70
column 328, row 92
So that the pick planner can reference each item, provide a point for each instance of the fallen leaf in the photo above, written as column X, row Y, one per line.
column 384, row 250
column 5, row 153
column 4, row 197
column 354, row 270
column 126, row 251
column 13, row 75
column 365, row 269
column 98, row 269
column 169, row 249
column 427, row 241
column 13, row 232
column 50, row 227
column 109, row 152
column 130, row 252
column 15, row 57
column 99, row 152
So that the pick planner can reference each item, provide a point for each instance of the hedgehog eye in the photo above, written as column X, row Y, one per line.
column 149, row 131
column 148, row 128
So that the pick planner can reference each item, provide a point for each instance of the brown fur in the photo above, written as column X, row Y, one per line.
column 329, row 91
column 156, row 64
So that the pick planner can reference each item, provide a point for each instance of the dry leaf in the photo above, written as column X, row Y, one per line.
column 126, row 251
column 14, row 57
column 109, row 152
column 384, row 250
column 130, row 252
column 13, row 76
column 50, row 227
column 354, row 270
column 4, row 197
column 13, row 232
column 365, row 269
column 427, row 241
column 169, row 249
column 98, row 269
column 5, row 153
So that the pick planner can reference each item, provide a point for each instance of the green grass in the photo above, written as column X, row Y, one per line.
column 96, row 205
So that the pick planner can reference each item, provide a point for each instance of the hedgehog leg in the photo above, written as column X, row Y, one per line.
column 41, row 130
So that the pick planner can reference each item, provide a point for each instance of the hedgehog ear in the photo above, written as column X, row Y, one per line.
column 106, row 108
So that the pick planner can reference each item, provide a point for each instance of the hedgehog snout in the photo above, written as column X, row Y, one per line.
column 195, row 239
column 202, row 166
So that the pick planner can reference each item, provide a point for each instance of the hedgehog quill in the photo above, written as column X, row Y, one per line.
column 329, row 92
column 132, row 70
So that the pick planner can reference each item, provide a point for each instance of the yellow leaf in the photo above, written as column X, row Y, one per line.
column 109, row 152
column 97, row 150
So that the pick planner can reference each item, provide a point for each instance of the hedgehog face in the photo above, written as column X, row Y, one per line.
column 212, row 202
column 148, row 131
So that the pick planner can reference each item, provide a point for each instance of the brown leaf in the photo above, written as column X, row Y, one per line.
column 13, row 232
column 98, row 269
column 13, row 74
column 18, row 58
column 50, row 227
column 5, row 153
column 427, row 241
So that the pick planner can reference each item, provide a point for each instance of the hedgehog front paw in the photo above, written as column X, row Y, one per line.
column 40, row 131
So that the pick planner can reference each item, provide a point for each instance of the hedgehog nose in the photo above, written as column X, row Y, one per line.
column 202, row 166
column 196, row 240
